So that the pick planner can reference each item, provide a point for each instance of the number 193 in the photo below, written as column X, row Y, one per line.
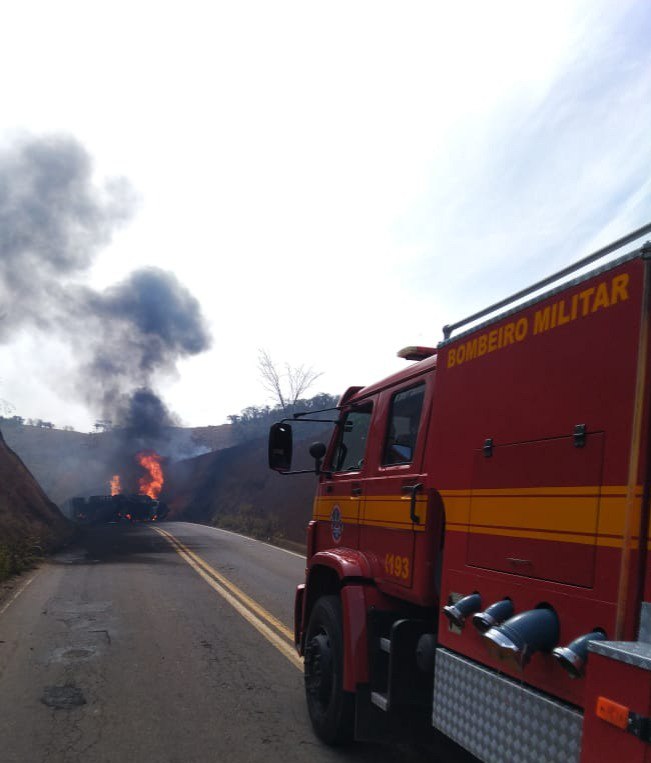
column 396, row 566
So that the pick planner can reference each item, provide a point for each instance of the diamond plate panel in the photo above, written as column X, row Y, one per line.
column 498, row 719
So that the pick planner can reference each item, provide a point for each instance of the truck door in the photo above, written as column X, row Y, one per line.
column 340, row 494
column 394, row 506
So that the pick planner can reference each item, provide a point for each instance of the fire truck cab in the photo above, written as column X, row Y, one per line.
column 477, row 557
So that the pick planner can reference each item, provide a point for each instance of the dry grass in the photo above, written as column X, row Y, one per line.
column 30, row 524
column 18, row 557
column 235, row 489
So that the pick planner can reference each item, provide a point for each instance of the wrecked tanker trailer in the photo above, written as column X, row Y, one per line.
column 97, row 509
column 477, row 557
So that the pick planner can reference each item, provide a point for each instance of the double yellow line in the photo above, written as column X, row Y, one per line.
column 264, row 622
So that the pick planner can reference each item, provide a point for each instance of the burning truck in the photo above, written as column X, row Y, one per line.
column 143, row 506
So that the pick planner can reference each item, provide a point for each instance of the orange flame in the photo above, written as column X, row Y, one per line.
column 152, row 483
column 116, row 485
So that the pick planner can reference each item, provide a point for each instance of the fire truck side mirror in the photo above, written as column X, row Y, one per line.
column 317, row 451
column 280, row 447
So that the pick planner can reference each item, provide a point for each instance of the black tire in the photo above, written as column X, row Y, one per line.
column 331, row 709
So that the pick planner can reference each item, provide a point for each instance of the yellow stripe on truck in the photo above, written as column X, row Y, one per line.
column 581, row 514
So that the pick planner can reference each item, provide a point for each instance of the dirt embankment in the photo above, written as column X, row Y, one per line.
column 235, row 489
column 30, row 524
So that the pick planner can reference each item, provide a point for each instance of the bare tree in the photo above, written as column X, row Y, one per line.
column 286, row 387
column 271, row 377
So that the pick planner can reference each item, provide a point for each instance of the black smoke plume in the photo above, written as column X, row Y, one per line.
column 140, row 328
column 54, row 219
column 145, row 416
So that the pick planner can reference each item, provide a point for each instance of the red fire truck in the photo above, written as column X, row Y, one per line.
column 477, row 556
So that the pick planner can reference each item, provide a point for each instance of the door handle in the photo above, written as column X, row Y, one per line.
column 413, row 489
column 356, row 491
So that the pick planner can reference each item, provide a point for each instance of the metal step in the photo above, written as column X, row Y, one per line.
column 380, row 700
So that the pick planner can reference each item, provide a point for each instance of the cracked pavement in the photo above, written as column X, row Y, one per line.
column 118, row 651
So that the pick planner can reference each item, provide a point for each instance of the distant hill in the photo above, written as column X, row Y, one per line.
column 72, row 463
column 29, row 522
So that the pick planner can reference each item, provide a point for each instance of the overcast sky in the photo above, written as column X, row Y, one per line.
column 331, row 181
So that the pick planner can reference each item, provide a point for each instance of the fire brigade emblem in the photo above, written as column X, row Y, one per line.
column 336, row 524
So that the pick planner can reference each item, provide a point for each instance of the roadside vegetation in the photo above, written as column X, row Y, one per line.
column 30, row 524
column 19, row 556
column 234, row 488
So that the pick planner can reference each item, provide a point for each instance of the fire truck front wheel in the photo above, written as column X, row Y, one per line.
column 331, row 709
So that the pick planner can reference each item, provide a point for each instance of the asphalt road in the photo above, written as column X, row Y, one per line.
column 166, row 644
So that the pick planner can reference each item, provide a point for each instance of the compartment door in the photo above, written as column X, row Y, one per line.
column 534, row 509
